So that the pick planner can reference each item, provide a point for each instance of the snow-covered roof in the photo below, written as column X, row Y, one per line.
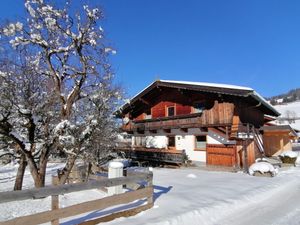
column 205, row 84
column 207, row 87
column 201, row 84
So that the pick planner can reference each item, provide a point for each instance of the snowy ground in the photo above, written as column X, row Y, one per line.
column 193, row 196
column 27, row 207
column 291, row 107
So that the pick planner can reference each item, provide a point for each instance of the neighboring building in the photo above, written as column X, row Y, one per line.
column 213, row 123
column 278, row 138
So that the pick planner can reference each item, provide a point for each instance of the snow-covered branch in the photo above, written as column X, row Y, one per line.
column 57, row 92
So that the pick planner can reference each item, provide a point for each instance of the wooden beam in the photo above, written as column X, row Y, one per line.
column 55, row 201
column 227, row 133
column 144, row 101
column 73, row 210
column 35, row 193
column 222, row 129
column 167, row 130
column 203, row 130
column 180, row 91
column 185, row 130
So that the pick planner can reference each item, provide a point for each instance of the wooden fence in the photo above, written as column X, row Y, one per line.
column 57, row 213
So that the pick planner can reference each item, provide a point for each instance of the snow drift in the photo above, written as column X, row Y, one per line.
column 263, row 167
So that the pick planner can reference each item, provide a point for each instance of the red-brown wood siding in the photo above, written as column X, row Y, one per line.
column 183, row 109
column 216, row 112
column 159, row 110
column 220, row 113
column 220, row 155
column 140, row 117
column 218, row 108
column 251, row 152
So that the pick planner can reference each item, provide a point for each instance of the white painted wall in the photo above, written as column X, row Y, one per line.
column 183, row 141
column 190, row 149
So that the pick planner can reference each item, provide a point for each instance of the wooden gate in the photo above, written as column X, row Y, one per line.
column 221, row 155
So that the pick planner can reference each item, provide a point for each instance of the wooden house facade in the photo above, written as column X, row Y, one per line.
column 278, row 139
column 212, row 123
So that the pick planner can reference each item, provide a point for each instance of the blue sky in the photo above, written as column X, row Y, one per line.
column 250, row 43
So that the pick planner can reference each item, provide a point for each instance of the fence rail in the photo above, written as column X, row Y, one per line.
column 57, row 213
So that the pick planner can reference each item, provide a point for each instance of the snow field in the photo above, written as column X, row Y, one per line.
column 292, row 107
column 202, row 197
column 188, row 196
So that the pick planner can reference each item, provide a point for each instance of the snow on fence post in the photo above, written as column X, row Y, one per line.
column 115, row 169
column 55, row 201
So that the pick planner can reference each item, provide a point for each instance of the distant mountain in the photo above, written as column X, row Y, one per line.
column 291, row 96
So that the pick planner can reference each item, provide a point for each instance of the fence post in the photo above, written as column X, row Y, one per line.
column 54, row 201
column 150, row 184
column 115, row 169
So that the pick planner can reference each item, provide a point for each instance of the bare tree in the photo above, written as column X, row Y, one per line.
column 290, row 116
column 65, row 82
column 27, row 112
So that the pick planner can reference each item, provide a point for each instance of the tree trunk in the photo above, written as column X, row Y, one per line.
column 20, row 173
column 42, row 170
column 39, row 181
column 67, row 169
column 43, row 163
column 38, row 178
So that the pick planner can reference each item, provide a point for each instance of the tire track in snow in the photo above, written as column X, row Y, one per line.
column 279, row 206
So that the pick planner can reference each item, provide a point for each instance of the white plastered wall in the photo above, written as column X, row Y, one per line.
column 185, row 141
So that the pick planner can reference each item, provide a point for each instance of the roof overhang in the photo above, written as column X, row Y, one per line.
column 280, row 128
column 224, row 89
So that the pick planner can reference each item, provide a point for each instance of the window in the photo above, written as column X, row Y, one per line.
column 171, row 111
column 198, row 107
column 200, row 142
column 171, row 141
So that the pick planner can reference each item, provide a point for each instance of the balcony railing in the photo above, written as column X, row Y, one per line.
column 152, row 155
column 183, row 121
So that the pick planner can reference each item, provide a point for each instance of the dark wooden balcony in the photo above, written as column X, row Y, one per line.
column 195, row 120
column 153, row 155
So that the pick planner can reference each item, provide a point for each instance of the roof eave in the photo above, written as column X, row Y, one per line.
column 261, row 100
column 157, row 83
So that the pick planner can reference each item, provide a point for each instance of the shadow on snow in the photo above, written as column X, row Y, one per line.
column 158, row 191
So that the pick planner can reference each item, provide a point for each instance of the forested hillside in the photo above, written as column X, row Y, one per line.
column 291, row 96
